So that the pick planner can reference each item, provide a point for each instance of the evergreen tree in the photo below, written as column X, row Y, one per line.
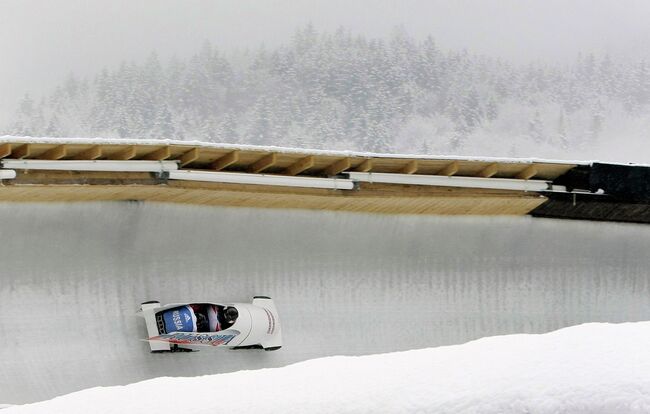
column 562, row 130
column 25, row 115
column 597, row 122
column 536, row 128
column 163, row 124
column 53, row 128
column 335, row 90
column 227, row 130
column 491, row 109
column 259, row 131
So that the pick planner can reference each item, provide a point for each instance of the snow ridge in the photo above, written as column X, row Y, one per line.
column 592, row 368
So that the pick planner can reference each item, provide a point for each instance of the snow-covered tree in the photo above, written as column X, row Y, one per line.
column 337, row 90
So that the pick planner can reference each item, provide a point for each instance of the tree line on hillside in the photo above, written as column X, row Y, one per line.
column 339, row 91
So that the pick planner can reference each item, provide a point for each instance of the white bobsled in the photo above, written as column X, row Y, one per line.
column 184, row 326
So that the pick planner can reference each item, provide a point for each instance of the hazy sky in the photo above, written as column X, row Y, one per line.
column 41, row 41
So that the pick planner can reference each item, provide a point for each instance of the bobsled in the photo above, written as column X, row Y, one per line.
column 181, row 327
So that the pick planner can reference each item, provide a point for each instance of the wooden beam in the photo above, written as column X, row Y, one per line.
column 21, row 152
column 159, row 154
column 126, row 154
column 410, row 168
column 263, row 163
column 365, row 166
column 489, row 171
column 527, row 173
column 339, row 166
column 300, row 166
column 225, row 161
column 5, row 150
column 55, row 153
column 449, row 170
column 91, row 153
column 189, row 157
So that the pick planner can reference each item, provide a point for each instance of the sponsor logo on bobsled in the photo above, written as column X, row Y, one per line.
column 196, row 338
column 176, row 318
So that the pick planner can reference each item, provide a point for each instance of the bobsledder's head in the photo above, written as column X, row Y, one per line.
column 202, row 324
column 230, row 315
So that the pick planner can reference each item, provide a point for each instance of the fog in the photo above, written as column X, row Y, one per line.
column 42, row 41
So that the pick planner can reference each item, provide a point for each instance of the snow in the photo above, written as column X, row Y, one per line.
column 591, row 368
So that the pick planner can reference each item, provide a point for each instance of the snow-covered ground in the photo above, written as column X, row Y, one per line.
column 591, row 368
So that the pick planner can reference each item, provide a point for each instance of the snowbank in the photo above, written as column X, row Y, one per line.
column 591, row 368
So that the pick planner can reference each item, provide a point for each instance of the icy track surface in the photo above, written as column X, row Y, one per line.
column 592, row 368
column 73, row 275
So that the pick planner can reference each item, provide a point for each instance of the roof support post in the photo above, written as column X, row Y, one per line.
column 126, row 154
column 300, row 166
column 225, row 161
column 91, row 153
column 159, row 154
column 365, row 166
column 410, row 168
column 528, row 173
column 449, row 170
column 189, row 157
column 5, row 150
column 55, row 153
column 489, row 171
column 339, row 166
column 21, row 152
column 263, row 163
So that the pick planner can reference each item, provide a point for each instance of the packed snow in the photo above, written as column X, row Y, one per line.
column 591, row 368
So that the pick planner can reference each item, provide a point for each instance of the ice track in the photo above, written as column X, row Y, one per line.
column 72, row 276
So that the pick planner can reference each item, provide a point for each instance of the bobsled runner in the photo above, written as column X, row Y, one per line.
column 181, row 327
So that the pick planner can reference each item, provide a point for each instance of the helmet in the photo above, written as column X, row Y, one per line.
column 201, row 322
column 230, row 314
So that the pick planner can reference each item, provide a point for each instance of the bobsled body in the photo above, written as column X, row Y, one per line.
column 184, row 326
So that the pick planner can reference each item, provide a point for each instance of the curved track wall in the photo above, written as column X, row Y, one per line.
column 72, row 276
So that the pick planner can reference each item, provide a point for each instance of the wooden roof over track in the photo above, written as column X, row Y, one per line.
column 67, row 186
column 272, row 160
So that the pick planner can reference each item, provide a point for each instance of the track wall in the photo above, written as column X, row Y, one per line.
column 72, row 276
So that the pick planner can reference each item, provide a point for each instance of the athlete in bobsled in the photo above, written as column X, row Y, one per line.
column 180, row 327
column 199, row 318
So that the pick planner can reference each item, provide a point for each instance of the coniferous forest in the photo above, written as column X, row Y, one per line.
column 340, row 91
